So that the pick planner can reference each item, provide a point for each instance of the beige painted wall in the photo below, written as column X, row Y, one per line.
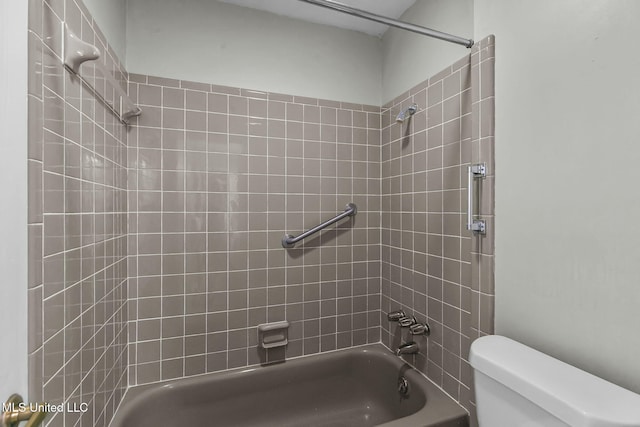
column 13, row 184
column 111, row 18
column 567, row 199
column 218, row 43
column 410, row 58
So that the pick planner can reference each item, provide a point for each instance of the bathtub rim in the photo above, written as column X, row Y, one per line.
column 439, row 404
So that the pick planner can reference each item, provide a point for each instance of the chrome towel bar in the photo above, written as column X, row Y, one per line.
column 289, row 241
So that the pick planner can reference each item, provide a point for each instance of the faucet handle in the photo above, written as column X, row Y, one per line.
column 419, row 329
column 394, row 316
column 407, row 321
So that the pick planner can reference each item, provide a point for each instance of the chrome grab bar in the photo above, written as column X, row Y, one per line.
column 479, row 170
column 289, row 241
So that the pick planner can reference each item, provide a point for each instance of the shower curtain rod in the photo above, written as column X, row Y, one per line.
column 340, row 7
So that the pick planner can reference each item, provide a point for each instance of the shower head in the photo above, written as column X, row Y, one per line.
column 407, row 113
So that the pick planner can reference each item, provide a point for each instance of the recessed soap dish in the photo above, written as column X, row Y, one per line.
column 274, row 334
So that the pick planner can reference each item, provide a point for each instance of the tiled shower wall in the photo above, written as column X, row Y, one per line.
column 432, row 267
column 77, row 227
column 217, row 176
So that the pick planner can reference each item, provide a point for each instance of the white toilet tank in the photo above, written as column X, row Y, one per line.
column 517, row 386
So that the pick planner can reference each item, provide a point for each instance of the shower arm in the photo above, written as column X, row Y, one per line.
column 340, row 7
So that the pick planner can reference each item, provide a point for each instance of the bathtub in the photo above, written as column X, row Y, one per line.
column 356, row 387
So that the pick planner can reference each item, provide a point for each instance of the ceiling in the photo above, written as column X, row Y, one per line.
column 320, row 15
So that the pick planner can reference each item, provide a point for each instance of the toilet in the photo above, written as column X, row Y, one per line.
column 517, row 386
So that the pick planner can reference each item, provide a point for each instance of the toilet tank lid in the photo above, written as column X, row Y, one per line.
column 572, row 395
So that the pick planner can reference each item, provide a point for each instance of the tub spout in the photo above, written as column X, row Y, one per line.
column 407, row 348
